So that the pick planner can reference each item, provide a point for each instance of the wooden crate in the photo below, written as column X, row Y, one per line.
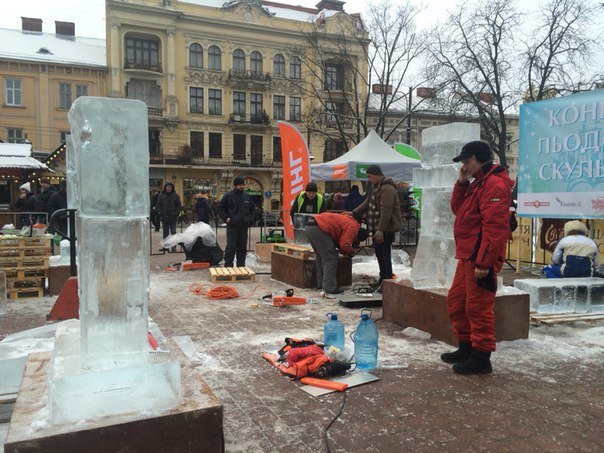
column 302, row 272
column 22, row 242
column 302, row 252
column 28, row 262
column 25, row 273
column 25, row 263
column 24, row 293
column 231, row 274
column 24, row 283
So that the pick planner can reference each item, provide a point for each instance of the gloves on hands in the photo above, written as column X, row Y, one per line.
column 378, row 237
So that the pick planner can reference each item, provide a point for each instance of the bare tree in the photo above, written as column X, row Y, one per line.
column 471, row 63
column 559, row 50
column 381, row 49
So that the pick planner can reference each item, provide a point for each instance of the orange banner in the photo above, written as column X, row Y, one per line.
column 296, row 169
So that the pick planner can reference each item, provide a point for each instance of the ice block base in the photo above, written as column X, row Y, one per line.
column 194, row 425
column 434, row 264
column 150, row 382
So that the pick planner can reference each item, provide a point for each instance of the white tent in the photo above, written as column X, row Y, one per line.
column 372, row 150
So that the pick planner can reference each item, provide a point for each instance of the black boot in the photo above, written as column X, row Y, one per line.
column 478, row 363
column 461, row 355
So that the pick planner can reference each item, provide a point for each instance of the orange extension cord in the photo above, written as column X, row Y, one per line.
column 215, row 292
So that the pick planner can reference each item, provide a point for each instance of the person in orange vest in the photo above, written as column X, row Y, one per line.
column 309, row 201
column 327, row 233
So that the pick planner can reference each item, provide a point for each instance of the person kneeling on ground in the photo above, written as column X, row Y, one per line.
column 328, row 232
column 576, row 255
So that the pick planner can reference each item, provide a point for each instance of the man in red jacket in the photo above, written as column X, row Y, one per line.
column 328, row 232
column 480, row 201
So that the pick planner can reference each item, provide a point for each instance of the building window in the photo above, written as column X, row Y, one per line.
column 215, row 102
column 238, row 147
column 154, row 143
column 196, row 141
column 214, row 58
column 196, row 56
column 215, row 140
column 279, row 65
column 256, row 105
column 142, row 53
column 333, row 149
column 332, row 111
column 256, row 62
column 144, row 90
column 81, row 90
column 63, row 136
column 196, row 100
column 238, row 60
column 295, row 68
column 14, row 135
column 276, row 149
column 64, row 95
column 334, row 76
column 295, row 109
column 239, row 103
column 13, row 92
column 279, row 107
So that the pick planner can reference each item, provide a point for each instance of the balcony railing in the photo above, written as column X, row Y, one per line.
column 249, row 80
column 130, row 64
column 155, row 111
column 262, row 119
column 211, row 161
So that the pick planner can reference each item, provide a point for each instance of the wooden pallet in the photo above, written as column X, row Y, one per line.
column 231, row 274
column 568, row 317
column 27, row 262
column 27, row 251
column 25, row 241
column 24, row 293
column 297, row 251
column 20, row 274
column 18, row 283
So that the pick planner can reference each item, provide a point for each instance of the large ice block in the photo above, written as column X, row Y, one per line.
column 114, row 287
column 440, row 144
column 70, row 174
column 76, row 393
column 554, row 295
column 300, row 221
column 111, row 142
column 434, row 264
column 437, row 219
column 435, row 176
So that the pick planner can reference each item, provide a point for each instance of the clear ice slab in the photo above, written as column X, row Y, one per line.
column 556, row 295
column 75, row 393
column 434, row 264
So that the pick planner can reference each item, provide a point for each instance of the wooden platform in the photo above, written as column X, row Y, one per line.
column 565, row 318
column 25, row 262
column 427, row 310
column 231, row 274
column 302, row 252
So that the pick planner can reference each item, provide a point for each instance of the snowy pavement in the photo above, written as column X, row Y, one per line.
column 546, row 392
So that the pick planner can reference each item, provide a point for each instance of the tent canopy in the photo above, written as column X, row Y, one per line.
column 372, row 150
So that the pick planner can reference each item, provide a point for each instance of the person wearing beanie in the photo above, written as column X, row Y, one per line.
column 58, row 201
column 327, row 233
column 26, row 202
column 480, row 201
column 383, row 218
column 236, row 208
column 168, row 207
column 46, row 191
column 309, row 201
column 575, row 255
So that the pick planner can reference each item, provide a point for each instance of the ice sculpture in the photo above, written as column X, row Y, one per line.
column 104, row 366
column 434, row 263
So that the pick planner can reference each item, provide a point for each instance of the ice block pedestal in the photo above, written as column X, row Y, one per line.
column 434, row 263
column 104, row 366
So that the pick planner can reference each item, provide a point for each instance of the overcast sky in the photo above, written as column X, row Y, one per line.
column 89, row 15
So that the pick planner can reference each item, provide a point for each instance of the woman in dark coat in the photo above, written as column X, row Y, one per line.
column 168, row 207
column 203, row 208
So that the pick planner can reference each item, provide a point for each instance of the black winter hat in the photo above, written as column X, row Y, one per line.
column 478, row 149
column 311, row 187
column 374, row 170
column 238, row 181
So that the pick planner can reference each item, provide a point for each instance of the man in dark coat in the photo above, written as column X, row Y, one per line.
column 237, row 210
column 154, row 216
column 203, row 208
column 26, row 203
column 168, row 207
column 43, row 197
column 353, row 199
column 57, row 201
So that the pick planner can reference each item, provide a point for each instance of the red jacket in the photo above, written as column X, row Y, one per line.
column 342, row 229
column 481, row 209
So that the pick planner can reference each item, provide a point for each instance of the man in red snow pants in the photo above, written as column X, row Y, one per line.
column 480, row 201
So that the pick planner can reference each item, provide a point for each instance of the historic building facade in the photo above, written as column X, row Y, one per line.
column 216, row 78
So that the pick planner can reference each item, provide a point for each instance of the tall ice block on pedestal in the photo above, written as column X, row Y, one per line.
column 112, row 371
column 434, row 263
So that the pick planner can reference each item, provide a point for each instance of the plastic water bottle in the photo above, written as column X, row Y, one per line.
column 65, row 250
column 366, row 343
column 333, row 332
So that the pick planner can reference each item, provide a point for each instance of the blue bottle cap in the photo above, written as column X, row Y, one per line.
column 364, row 316
column 334, row 317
